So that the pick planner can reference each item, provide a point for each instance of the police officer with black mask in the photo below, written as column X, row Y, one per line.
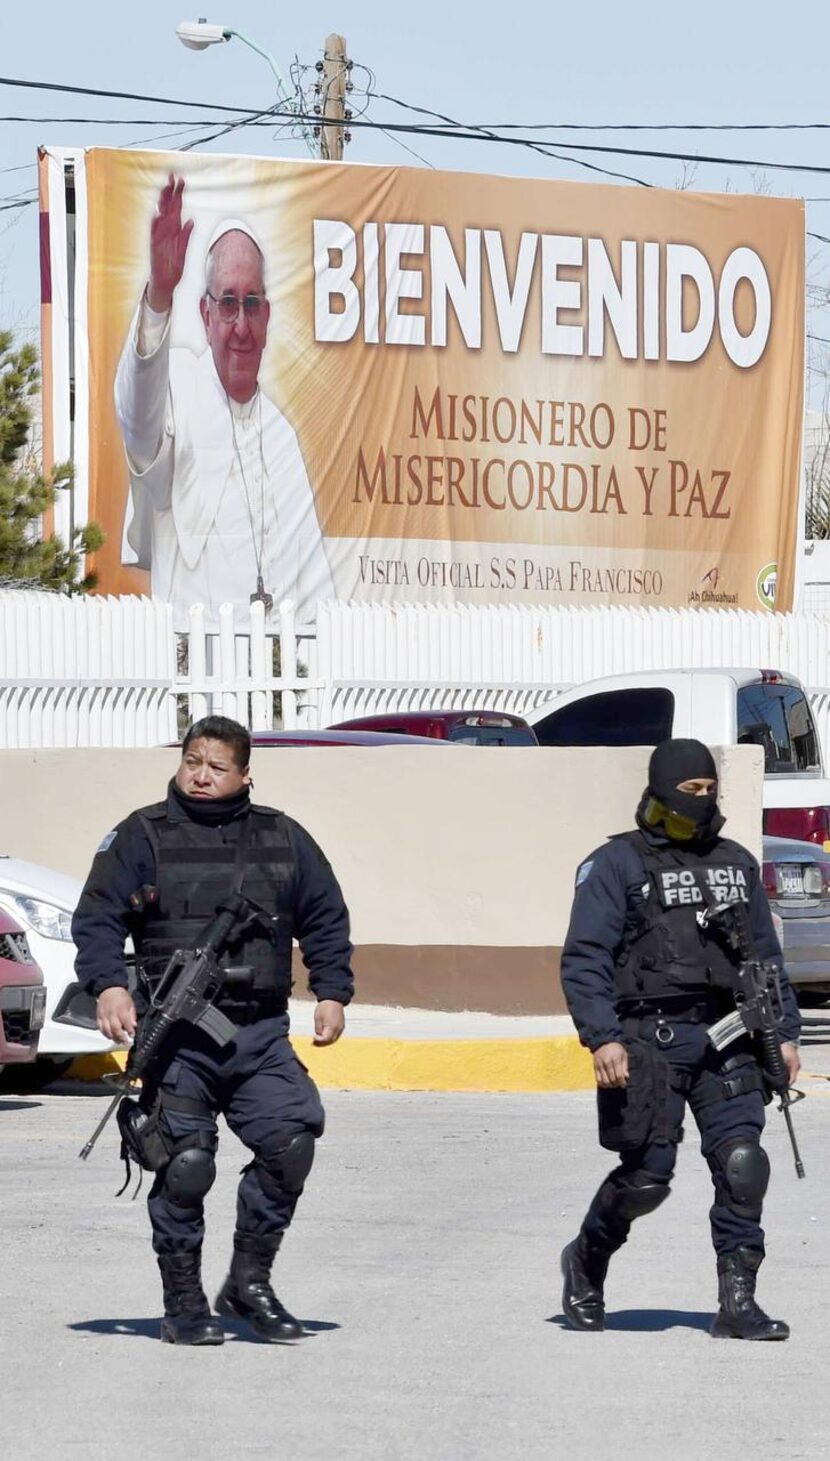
column 160, row 877
column 645, row 973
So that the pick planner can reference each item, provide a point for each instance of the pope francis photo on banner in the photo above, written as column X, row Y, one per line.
column 221, row 509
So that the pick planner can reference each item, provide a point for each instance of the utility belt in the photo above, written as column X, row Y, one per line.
column 643, row 1016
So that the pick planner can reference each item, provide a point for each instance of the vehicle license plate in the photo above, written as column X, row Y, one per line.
column 37, row 1010
column 789, row 880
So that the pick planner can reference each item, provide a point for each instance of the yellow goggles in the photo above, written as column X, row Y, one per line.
column 680, row 829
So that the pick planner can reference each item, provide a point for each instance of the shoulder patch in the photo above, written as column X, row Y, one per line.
column 107, row 842
column 583, row 872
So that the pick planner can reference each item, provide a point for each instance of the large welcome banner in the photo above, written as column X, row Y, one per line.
column 472, row 389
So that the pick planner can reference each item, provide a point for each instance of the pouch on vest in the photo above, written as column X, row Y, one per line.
column 630, row 1116
column 144, row 1137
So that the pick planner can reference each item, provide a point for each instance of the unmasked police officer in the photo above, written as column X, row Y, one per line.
column 160, row 876
column 645, row 973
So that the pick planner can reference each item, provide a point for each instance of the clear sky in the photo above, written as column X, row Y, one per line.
column 520, row 62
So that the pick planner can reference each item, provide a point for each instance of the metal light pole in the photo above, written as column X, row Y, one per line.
column 197, row 35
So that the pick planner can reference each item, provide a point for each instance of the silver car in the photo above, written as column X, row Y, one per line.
column 797, row 882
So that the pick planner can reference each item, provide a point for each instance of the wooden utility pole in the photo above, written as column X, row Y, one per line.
column 334, row 84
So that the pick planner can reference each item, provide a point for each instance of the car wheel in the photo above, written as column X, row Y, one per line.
column 34, row 1076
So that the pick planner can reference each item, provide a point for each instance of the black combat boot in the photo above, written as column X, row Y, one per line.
column 247, row 1292
column 739, row 1317
column 187, row 1317
column 584, row 1268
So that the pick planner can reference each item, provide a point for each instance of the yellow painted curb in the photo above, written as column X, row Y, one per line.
column 95, row 1067
column 539, row 1064
column 557, row 1063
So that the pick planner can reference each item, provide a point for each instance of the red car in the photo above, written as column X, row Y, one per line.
column 334, row 736
column 469, row 727
column 22, row 996
column 330, row 737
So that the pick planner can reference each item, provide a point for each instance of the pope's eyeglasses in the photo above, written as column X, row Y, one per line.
column 228, row 306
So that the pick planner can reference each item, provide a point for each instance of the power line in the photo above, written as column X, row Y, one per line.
column 407, row 148
column 127, row 121
column 489, row 126
column 269, row 115
column 251, row 120
column 485, row 134
column 210, row 106
column 453, row 129
column 461, row 132
column 641, row 126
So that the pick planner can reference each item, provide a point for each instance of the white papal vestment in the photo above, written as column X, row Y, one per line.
column 204, row 512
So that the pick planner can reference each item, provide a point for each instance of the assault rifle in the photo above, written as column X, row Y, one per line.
column 190, row 982
column 758, row 1008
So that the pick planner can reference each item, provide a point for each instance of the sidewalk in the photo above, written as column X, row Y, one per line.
column 386, row 1048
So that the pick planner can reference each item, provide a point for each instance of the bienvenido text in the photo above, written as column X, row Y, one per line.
column 394, row 284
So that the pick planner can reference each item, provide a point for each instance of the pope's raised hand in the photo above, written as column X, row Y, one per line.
column 169, row 238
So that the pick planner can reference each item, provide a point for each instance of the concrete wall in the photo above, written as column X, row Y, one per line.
column 457, row 862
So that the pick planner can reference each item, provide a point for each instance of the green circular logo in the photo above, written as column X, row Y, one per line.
column 765, row 585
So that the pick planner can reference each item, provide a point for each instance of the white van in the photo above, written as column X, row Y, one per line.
column 721, row 707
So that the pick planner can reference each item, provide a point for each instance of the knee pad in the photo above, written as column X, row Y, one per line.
column 743, row 1173
column 189, row 1175
column 639, row 1193
column 289, row 1164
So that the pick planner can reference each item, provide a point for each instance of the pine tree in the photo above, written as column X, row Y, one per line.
column 26, row 492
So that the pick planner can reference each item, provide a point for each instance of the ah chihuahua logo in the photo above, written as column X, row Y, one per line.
column 712, row 590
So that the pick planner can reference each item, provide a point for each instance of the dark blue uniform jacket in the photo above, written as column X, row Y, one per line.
column 124, row 863
column 610, row 885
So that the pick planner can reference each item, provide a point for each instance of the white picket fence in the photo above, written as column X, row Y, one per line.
column 85, row 671
column 95, row 671
column 112, row 671
column 375, row 658
column 233, row 673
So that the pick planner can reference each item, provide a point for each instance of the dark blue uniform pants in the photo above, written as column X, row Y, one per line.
column 266, row 1096
column 697, row 1078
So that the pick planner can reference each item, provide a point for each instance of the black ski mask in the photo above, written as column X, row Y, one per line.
column 681, row 816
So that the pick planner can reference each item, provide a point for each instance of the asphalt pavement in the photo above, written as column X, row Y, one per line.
column 424, row 1261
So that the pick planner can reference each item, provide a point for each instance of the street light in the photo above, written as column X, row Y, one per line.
column 197, row 35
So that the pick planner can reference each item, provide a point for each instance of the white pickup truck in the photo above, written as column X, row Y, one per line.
column 721, row 707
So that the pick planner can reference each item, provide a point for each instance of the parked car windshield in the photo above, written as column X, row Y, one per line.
column 641, row 717
column 493, row 735
column 779, row 718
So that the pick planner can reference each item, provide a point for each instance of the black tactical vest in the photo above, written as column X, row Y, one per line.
column 196, row 869
column 666, row 950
